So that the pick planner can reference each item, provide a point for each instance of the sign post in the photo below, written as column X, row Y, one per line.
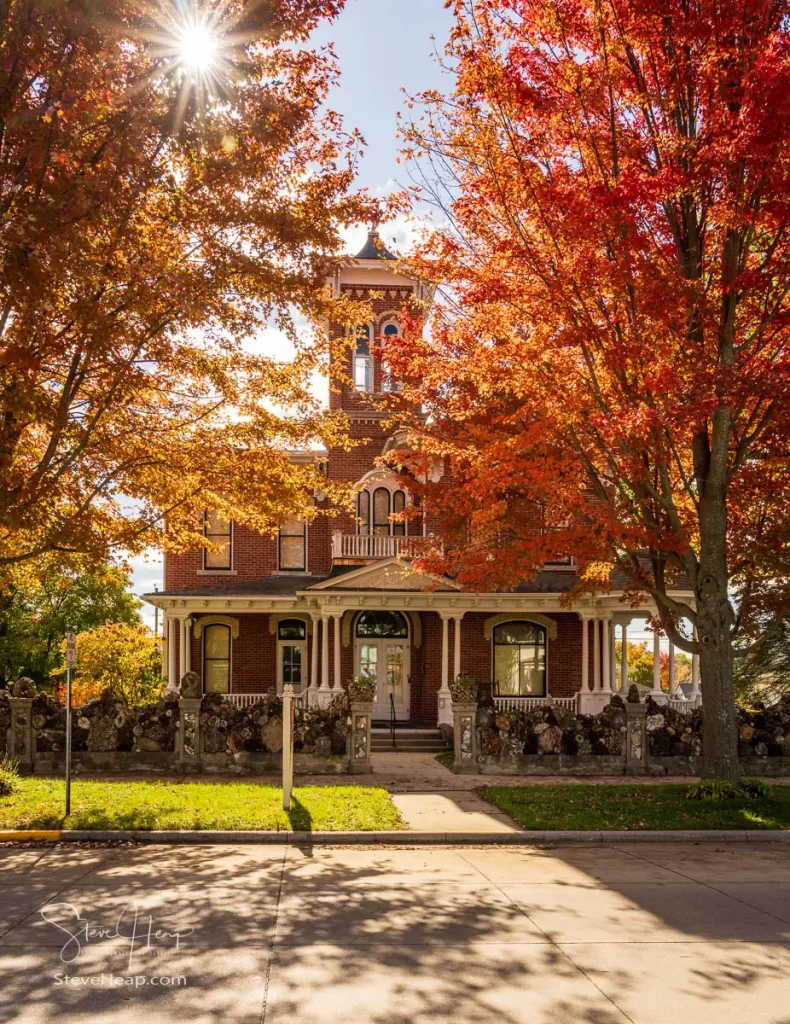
column 288, row 744
column 71, row 657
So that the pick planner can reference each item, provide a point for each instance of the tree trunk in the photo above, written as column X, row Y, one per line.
column 714, row 620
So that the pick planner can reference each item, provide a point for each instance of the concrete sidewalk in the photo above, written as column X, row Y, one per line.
column 270, row 935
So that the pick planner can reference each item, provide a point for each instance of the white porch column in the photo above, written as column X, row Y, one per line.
column 314, row 662
column 445, row 711
column 324, row 653
column 585, row 656
column 672, row 685
column 624, row 661
column 188, row 644
column 172, row 648
column 657, row 693
column 596, row 655
column 695, row 690
column 606, row 670
column 182, row 647
column 337, row 685
column 165, row 651
column 457, row 646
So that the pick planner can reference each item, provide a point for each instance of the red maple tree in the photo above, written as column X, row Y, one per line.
column 607, row 373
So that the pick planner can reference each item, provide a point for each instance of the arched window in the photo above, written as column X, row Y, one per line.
column 519, row 660
column 398, row 505
column 390, row 330
column 291, row 654
column 363, row 511
column 381, row 512
column 363, row 361
column 216, row 659
column 381, row 625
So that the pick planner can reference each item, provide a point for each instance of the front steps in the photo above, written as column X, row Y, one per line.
column 408, row 740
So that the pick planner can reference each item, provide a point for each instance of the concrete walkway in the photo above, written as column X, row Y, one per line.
column 273, row 935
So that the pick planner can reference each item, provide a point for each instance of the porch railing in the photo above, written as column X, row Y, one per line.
column 525, row 703
column 246, row 700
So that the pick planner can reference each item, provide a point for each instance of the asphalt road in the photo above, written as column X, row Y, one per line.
column 645, row 933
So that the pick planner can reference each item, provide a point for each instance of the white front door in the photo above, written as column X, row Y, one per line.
column 386, row 661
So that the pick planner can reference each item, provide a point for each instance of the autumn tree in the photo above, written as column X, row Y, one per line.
column 171, row 183
column 43, row 599
column 608, row 371
column 121, row 660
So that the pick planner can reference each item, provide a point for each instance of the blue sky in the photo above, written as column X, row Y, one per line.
column 383, row 46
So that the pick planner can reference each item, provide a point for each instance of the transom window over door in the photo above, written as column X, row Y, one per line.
column 216, row 659
column 519, row 659
column 291, row 653
column 292, row 545
column 220, row 532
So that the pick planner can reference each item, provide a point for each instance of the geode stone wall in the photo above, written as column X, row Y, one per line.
column 551, row 740
column 107, row 735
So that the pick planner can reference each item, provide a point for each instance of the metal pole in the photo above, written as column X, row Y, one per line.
column 288, row 744
column 70, row 660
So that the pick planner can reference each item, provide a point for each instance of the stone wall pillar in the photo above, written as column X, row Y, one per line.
column 189, row 741
column 359, row 739
column 635, row 739
column 465, row 738
column 20, row 733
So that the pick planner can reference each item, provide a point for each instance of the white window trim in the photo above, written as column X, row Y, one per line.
column 203, row 656
column 296, row 572
column 369, row 359
column 208, row 571
column 517, row 618
column 371, row 482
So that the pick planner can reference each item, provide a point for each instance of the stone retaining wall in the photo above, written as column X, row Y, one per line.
column 634, row 738
column 201, row 734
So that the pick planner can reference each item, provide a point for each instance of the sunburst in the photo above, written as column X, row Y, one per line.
column 198, row 50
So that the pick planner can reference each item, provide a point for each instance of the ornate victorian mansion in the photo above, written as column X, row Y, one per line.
column 320, row 603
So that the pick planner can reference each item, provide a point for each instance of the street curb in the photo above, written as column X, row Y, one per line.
column 187, row 837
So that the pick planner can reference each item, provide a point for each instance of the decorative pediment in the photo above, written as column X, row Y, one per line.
column 276, row 617
column 388, row 574
column 217, row 620
column 550, row 625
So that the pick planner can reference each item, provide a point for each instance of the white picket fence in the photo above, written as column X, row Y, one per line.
column 527, row 703
column 246, row 700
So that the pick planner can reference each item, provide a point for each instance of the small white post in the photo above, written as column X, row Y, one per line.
column 597, row 684
column 187, row 645
column 288, row 744
column 182, row 647
column 71, row 660
column 624, row 660
column 585, row 656
column 172, row 651
column 445, row 714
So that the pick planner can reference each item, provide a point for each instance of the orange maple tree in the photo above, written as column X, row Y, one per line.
column 607, row 372
column 155, row 217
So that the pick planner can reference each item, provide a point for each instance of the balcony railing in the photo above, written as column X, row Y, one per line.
column 361, row 545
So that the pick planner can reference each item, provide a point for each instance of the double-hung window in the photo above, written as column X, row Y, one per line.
column 219, row 532
column 292, row 545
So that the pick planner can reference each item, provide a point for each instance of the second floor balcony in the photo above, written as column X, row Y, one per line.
column 364, row 547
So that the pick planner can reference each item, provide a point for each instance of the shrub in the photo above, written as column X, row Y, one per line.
column 9, row 777
column 719, row 789
column 362, row 689
column 463, row 690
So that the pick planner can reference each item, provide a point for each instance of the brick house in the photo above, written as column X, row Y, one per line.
column 318, row 604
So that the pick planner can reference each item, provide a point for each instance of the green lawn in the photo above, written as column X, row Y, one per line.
column 142, row 804
column 584, row 807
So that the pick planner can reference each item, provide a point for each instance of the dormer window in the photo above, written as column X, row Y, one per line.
column 363, row 360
